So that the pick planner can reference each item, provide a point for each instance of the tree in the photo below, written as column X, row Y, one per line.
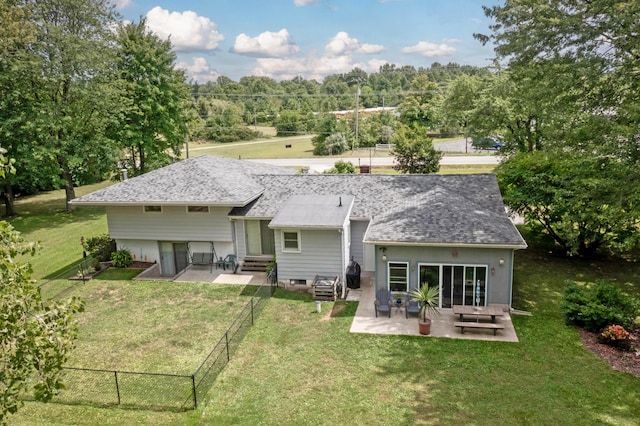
column 460, row 100
column 342, row 167
column 414, row 151
column 419, row 107
column 582, row 202
column 156, row 98
column 73, row 86
column 35, row 337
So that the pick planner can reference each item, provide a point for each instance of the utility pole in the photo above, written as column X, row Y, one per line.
column 355, row 142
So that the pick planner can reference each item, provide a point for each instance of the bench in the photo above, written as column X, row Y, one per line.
column 487, row 325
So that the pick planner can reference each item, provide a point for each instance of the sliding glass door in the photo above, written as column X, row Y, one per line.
column 459, row 284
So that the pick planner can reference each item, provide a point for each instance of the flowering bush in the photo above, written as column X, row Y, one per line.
column 615, row 335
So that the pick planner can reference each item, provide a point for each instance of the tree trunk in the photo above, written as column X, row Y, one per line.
column 69, row 190
column 9, row 200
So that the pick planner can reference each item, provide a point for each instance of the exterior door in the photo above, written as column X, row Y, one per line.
column 173, row 258
column 260, row 239
column 463, row 285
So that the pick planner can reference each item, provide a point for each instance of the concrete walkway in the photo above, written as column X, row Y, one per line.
column 365, row 320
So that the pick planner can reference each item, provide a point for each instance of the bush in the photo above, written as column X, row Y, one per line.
column 100, row 247
column 121, row 258
column 616, row 336
column 597, row 306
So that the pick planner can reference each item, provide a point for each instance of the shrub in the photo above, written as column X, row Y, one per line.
column 616, row 336
column 596, row 306
column 100, row 247
column 121, row 258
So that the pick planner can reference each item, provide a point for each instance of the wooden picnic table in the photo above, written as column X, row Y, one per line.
column 491, row 311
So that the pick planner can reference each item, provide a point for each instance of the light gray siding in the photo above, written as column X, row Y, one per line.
column 358, row 228
column 172, row 224
column 499, row 277
column 241, row 241
column 321, row 254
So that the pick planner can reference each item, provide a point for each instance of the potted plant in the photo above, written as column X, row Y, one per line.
column 428, row 299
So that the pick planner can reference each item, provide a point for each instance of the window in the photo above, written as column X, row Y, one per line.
column 398, row 276
column 152, row 209
column 197, row 209
column 290, row 241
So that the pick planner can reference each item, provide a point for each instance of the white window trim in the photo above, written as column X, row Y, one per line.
column 406, row 264
column 198, row 212
column 145, row 211
column 290, row 250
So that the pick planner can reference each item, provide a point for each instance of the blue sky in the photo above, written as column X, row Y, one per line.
column 283, row 39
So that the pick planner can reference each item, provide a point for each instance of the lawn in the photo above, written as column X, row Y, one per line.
column 299, row 367
column 153, row 326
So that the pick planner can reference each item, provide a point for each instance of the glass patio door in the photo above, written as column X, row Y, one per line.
column 463, row 285
column 260, row 239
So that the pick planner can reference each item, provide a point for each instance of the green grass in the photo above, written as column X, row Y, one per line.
column 153, row 326
column 43, row 218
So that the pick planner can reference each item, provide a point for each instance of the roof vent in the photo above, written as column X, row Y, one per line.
column 340, row 205
column 124, row 174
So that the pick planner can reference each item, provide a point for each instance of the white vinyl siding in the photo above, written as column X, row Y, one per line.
column 321, row 255
column 172, row 224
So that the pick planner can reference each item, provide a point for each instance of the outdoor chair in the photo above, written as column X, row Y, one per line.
column 411, row 306
column 230, row 262
column 383, row 302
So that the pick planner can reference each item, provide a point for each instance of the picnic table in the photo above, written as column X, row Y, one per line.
column 490, row 311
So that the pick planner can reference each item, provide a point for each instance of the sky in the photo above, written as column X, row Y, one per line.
column 283, row 39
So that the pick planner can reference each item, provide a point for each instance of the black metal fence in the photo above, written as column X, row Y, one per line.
column 174, row 392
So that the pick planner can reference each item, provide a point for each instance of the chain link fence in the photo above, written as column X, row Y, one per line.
column 172, row 392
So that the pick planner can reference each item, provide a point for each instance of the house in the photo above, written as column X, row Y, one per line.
column 445, row 230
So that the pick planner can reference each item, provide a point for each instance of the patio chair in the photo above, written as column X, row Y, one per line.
column 230, row 261
column 411, row 306
column 383, row 302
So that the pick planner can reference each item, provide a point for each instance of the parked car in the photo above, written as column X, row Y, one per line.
column 487, row 142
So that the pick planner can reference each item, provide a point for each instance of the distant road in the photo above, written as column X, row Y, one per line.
column 324, row 163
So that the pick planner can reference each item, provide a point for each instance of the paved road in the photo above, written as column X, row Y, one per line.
column 319, row 164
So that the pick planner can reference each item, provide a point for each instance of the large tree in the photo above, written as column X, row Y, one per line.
column 414, row 151
column 35, row 336
column 156, row 99
column 74, row 86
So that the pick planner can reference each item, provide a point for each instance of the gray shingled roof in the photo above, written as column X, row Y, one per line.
column 202, row 180
column 313, row 211
column 403, row 209
column 412, row 209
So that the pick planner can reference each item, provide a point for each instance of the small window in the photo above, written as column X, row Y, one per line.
column 291, row 241
column 152, row 209
column 297, row 282
column 197, row 209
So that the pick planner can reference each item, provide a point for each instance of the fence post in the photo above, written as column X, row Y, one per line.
column 226, row 339
column 252, row 311
column 115, row 373
column 193, row 389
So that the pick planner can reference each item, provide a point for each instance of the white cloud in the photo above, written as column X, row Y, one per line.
column 267, row 44
column 301, row 3
column 342, row 44
column 188, row 31
column 451, row 40
column 122, row 4
column 312, row 67
column 428, row 49
column 199, row 70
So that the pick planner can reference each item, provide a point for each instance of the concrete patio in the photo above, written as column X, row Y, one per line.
column 365, row 320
